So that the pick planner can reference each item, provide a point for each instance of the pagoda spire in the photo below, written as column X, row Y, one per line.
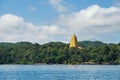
column 73, row 41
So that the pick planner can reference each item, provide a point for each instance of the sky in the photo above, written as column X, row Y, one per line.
column 42, row 21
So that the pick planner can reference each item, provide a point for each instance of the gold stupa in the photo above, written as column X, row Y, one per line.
column 73, row 42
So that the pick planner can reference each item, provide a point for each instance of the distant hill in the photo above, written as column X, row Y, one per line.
column 93, row 52
column 91, row 43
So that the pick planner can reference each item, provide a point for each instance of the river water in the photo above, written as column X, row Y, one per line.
column 59, row 72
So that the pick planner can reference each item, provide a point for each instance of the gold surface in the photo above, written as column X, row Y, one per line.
column 73, row 42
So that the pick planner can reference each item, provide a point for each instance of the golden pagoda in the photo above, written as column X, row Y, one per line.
column 73, row 42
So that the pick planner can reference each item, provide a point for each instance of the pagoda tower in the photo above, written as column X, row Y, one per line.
column 73, row 42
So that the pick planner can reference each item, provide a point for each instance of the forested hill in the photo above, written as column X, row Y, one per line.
column 59, row 53
column 91, row 43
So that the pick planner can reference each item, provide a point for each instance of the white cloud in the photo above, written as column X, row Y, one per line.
column 14, row 29
column 60, row 5
column 10, row 20
column 93, row 23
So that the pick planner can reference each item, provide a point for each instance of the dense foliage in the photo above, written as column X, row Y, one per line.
column 59, row 53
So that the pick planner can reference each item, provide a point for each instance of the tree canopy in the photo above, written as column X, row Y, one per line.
column 59, row 53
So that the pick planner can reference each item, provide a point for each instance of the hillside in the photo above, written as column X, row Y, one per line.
column 59, row 53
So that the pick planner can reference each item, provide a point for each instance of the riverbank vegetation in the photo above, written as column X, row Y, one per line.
column 94, row 52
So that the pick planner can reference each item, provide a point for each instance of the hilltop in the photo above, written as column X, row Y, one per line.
column 93, row 52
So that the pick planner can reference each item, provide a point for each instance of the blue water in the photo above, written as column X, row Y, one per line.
column 59, row 72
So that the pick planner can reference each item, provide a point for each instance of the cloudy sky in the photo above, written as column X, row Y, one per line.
column 42, row 21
